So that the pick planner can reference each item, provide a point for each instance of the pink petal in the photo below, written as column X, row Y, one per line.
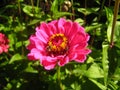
column 81, row 58
column 53, row 22
column 63, row 61
column 49, row 63
column 3, row 43
column 77, row 39
column 35, row 43
column 52, row 28
column 35, row 54
column 39, row 45
column 87, row 37
column 83, row 51
column 72, row 32
column 32, row 42
column 81, row 29
column 44, row 27
column 1, row 50
column 60, row 25
column 31, row 56
column 72, row 56
column 42, row 36
column 67, row 27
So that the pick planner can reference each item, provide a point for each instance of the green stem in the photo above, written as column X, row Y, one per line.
column 102, row 6
column 19, row 7
column 85, row 13
column 38, row 1
column 109, row 2
column 59, row 79
column 116, row 9
column 73, row 11
column 32, row 3
column 23, row 48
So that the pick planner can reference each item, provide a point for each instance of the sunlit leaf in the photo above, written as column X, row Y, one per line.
column 113, row 85
column 90, row 60
column 117, row 31
column 28, row 10
column 79, row 20
column 54, row 7
column 94, row 71
column 15, row 57
column 76, row 86
column 109, row 14
column 92, row 27
column 101, row 86
column 32, row 11
column 88, row 10
column 105, row 61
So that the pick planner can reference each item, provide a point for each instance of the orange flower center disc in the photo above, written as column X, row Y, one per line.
column 57, row 44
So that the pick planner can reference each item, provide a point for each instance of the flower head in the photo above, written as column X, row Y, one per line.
column 3, row 43
column 58, row 43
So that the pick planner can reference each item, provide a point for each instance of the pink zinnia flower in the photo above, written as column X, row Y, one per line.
column 3, row 43
column 58, row 43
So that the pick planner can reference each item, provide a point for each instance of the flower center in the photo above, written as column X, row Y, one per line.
column 58, row 44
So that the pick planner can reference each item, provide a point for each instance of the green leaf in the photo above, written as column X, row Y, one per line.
column 33, row 11
column 54, row 7
column 88, row 10
column 13, row 40
column 109, row 29
column 117, row 32
column 2, row 27
column 10, row 6
column 18, row 44
column 30, row 69
column 8, row 86
column 76, row 86
column 34, row 22
column 113, row 85
column 92, row 27
column 80, row 70
column 102, row 87
column 117, row 71
column 79, row 20
column 15, row 57
column 94, row 71
column 28, row 10
column 55, row 12
column 109, row 14
column 90, row 60
column 60, row 14
column 105, row 61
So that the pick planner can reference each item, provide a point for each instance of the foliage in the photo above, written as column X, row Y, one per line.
column 101, row 71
